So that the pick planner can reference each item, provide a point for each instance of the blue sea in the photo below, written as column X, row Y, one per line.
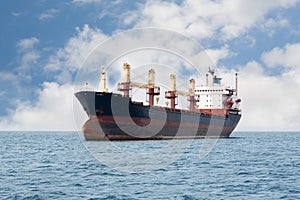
column 60, row 165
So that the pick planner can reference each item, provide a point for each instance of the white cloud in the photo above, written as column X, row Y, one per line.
column 268, row 102
column 287, row 58
column 15, row 14
column 218, row 54
column 28, row 59
column 276, row 23
column 2, row 93
column 7, row 76
column 91, row 43
column 27, row 43
column 28, row 53
column 225, row 19
column 53, row 110
column 284, row 57
column 48, row 14
column 113, row 2
column 272, row 25
column 272, row 102
column 71, row 57
column 86, row 1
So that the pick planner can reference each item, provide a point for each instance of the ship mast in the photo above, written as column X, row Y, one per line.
column 103, row 81
column 171, row 94
column 152, row 90
column 191, row 94
column 125, row 85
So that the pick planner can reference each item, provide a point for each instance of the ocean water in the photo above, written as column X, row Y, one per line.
column 57, row 165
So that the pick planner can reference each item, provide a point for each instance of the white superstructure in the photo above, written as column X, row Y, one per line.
column 215, row 95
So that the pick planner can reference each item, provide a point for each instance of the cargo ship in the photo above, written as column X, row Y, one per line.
column 214, row 110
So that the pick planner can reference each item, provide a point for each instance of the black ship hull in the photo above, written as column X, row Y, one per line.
column 114, row 117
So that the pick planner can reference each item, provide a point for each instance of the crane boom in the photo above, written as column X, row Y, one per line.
column 143, row 85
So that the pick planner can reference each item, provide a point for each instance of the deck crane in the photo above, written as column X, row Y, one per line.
column 151, row 89
column 173, row 93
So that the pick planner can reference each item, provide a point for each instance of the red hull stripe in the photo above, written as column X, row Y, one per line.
column 142, row 122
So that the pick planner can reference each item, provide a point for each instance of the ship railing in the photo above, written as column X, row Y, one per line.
column 83, row 89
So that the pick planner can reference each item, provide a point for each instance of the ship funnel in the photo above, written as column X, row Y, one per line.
column 103, row 81
column 151, row 77
column 126, row 73
column 173, row 82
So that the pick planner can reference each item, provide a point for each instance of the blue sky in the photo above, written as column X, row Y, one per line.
column 44, row 42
